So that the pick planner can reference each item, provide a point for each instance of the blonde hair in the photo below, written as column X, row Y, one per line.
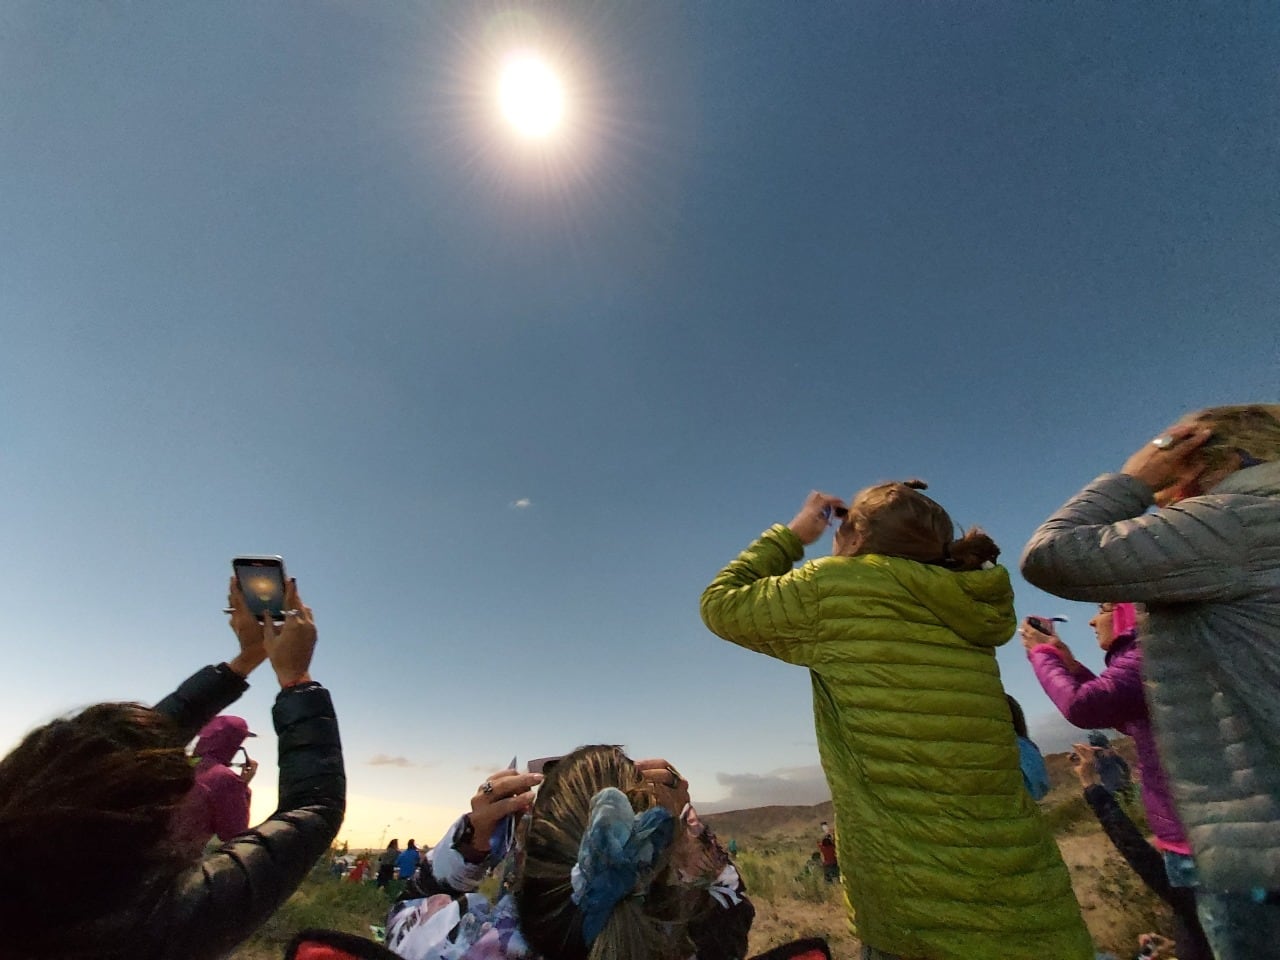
column 652, row 925
column 897, row 520
column 1251, row 428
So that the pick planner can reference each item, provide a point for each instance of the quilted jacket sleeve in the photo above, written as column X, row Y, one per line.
column 200, row 698
column 1101, row 545
column 1108, row 700
column 219, row 902
column 759, row 602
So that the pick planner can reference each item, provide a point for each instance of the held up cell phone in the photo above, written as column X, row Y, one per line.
column 1046, row 625
column 262, row 581
column 543, row 764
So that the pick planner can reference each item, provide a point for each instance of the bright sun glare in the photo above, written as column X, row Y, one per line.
column 531, row 96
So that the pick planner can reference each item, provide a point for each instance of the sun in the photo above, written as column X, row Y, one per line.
column 531, row 96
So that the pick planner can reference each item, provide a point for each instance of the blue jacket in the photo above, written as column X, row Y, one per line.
column 406, row 863
column 1034, row 773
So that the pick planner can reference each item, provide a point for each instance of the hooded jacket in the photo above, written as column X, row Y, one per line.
column 945, row 854
column 218, row 804
column 1208, row 569
column 1114, row 698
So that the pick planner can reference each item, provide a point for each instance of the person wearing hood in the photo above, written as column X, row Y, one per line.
column 1206, row 563
column 218, row 804
column 943, row 852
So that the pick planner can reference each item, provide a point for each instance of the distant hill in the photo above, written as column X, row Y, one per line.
column 770, row 822
column 775, row 822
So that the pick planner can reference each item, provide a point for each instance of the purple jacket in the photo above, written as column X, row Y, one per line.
column 218, row 803
column 1115, row 699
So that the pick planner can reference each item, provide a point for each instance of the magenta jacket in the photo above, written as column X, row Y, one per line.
column 1115, row 699
column 218, row 803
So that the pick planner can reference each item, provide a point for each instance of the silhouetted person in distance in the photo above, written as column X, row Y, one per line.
column 407, row 862
column 387, row 863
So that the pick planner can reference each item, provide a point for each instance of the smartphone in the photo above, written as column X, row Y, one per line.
column 262, row 581
column 1046, row 625
column 543, row 764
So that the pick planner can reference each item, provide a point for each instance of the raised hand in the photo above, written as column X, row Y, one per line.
column 291, row 648
column 815, row 516
column 248, row 630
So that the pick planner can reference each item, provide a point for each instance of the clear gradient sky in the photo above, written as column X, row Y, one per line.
column 275, row 278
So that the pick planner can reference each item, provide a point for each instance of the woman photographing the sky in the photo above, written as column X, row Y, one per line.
column 944, row 853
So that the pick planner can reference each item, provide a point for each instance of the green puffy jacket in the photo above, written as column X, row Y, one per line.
column 944, row 855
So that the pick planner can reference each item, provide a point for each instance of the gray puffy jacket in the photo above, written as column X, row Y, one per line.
column 1208, row 569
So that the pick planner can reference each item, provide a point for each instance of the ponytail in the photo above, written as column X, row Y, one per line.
column 970, row 552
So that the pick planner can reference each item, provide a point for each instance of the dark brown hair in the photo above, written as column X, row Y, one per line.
column 85, row 809
column 1019, row 718
column 897, row 520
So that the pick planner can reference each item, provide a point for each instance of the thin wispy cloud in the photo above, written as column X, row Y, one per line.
column 383, row 760
column 524, row 503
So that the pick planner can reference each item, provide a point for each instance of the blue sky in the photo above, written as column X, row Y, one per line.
column 275, row 279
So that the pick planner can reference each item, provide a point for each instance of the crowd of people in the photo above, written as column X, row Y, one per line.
column 942, row 851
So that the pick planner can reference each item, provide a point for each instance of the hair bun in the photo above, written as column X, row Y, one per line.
column 915, row 484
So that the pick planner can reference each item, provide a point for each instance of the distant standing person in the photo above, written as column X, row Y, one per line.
column 830, row 865
column 387, row 863
column 944, row 854
column 407, row 862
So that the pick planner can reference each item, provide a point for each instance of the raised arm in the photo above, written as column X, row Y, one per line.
column 1100, row 546
column 759, row 602
column 217, row 903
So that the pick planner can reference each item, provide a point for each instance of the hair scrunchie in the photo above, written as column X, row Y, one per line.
column 618, row 845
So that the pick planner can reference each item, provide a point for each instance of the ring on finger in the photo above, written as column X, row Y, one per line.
column 487, row 787
column 1162, row 442
column 675, row 776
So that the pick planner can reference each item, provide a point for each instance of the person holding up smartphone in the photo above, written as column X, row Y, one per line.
column 111, row 778
column 1206, row 564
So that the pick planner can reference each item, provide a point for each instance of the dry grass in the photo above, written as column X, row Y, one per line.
column 792, row 901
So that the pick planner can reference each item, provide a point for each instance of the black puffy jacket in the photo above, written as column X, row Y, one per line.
column 215, row 904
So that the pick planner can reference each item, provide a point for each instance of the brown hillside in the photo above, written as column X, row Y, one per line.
column 769, row 822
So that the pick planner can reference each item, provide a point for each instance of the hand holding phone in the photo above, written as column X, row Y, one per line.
column 290, row 649
column 1043, row 625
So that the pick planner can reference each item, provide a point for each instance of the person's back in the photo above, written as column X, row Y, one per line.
column 1206, row 564
column 407, row 862
column 915, row 737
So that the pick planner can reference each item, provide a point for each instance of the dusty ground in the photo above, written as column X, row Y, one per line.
column 790, row 903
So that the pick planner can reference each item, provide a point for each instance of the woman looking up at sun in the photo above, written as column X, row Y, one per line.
column 945, row 853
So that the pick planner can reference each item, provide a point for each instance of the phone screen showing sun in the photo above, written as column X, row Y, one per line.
column 261, row 582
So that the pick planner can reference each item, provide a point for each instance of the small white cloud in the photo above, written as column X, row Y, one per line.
column 524, row 503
